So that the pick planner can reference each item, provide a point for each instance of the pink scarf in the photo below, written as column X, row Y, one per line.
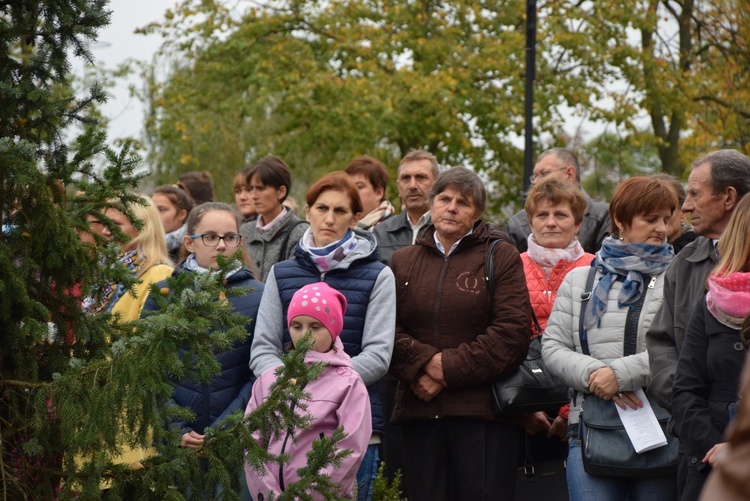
column 548, row 258
column 728, row 298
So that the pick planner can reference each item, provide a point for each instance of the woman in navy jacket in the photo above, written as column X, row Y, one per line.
column 212, row 229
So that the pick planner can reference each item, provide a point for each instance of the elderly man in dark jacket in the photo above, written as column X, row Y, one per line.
column 563, row 164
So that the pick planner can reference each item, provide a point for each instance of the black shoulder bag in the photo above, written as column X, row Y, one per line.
column 531, row 387
column 605, row 445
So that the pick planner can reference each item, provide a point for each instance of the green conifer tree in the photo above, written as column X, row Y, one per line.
column 75, row 389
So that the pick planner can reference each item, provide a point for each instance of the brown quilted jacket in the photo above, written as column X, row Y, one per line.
column 444, row 306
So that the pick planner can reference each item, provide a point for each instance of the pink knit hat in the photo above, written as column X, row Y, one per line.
column 321, row 302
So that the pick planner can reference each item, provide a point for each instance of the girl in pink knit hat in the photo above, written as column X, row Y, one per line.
column 338, row 397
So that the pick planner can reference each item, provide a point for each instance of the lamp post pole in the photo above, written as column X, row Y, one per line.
column 528, row 153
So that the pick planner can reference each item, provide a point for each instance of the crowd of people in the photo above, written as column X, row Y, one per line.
column 642, row 301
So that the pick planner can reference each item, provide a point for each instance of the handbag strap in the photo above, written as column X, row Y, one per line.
column 584, row 303
column 489, row 266
column 631, row 322
column 537, row 327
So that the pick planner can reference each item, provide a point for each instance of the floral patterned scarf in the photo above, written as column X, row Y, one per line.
column 326, row 258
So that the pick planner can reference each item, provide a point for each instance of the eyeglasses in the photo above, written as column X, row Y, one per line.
column 544, row 173
column 212, row 239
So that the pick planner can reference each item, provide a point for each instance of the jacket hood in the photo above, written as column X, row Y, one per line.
column 334, row 358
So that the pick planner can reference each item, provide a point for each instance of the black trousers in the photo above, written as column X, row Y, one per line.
column 460, row 459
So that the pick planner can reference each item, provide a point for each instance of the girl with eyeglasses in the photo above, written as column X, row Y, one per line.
column 213, row 229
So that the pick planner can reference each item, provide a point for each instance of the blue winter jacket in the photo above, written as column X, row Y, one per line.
column 356, row 284
column 231, row 388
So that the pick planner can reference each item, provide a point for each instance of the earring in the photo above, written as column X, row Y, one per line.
column 621, row 239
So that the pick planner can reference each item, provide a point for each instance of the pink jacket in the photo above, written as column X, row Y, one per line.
column 338, row 397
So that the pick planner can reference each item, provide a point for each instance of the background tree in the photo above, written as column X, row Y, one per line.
column 320, row 84
column 612, row 157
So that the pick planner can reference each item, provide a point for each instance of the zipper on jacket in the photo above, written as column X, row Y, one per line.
column 649, row 290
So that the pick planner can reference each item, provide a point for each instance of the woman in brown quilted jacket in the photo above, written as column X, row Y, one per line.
column 452, row 339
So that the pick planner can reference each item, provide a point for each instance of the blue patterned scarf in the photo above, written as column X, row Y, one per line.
column 628, row 262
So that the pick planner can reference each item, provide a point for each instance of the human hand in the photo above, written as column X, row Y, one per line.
column 535, row 422
column 716, row 453
column 559, row 428
column 434, row 368
column 627, row 399
column 426, row 388
column 603, row 383
column 192, row 440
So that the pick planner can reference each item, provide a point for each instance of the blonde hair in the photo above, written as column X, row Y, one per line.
column 734, row 244
column 150, row 239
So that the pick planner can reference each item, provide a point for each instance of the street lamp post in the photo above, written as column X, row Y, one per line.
column 528, row 153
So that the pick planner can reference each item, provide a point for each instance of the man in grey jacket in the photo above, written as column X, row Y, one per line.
column 716, row 184
column 563, row 164
column 416, row 175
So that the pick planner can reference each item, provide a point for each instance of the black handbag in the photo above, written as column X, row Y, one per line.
column 531, row 387
column 605, row 446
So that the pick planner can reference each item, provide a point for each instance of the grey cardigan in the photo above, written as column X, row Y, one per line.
column 265, row 248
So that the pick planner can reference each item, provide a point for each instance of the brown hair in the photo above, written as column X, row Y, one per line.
column 466, row 182
column 675, row 184
column 241, row 179
column 178, row 197
column 338, row 181
column 555, row 192
column 372, row 169
column 636, row 196
column 199, row 185
column 272, row 171
column 195, row 218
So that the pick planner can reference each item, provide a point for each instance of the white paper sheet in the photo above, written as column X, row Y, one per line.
column 642, row 426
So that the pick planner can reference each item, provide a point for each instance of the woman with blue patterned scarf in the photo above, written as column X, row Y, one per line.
column 629, row 275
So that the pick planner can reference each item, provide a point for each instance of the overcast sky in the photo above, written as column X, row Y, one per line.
column 118, row 42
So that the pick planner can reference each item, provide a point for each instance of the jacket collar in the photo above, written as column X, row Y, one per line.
column 704, row 250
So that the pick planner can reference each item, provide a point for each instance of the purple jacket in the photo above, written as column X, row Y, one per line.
column 338, row 397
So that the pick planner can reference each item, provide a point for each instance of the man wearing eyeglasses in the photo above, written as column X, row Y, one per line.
column 563, row 164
